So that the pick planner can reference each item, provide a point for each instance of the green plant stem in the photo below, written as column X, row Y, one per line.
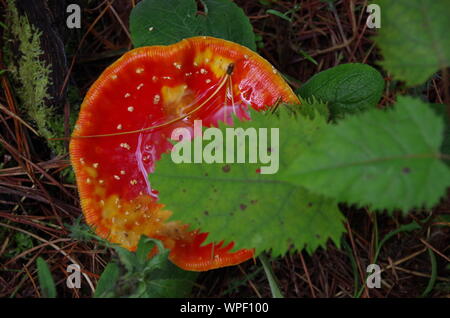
column 433, row 276
column 274, row 288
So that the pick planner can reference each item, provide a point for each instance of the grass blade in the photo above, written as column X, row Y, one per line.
column 46, row 281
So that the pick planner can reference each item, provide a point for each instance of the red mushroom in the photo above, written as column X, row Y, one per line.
column 124, row 123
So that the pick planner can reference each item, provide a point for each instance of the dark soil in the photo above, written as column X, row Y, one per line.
column 39, row 201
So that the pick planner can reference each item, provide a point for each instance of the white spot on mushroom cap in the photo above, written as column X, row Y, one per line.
column 127, row 95
column 116, row 177
column 140, row 86
column 125, row 145
column 139, row 70
column 131, row 109
column 156, row 99
column 119, row 126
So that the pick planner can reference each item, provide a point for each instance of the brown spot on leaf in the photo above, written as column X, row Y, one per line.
column 226, row 168
column 242, row 206
column 406, row 170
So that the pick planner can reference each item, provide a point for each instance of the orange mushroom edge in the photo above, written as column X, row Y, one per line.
column 114, row 147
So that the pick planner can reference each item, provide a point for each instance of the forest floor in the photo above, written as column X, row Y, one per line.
column 39, row 201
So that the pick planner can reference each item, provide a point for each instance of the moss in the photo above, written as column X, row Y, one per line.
column 18, row 243
column 32, row 75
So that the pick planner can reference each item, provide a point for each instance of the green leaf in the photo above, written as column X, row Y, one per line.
column 46, row 281
column 145, row 245
column 127, row 258
column 108, row 281
column 234, row 203
column 413, row 38
column 141, row 276
column 441, row 110
column 384, row 159
column 163, row 22
column 225, row 20
column 162, row 278
column 347, row 88
column 168, row 280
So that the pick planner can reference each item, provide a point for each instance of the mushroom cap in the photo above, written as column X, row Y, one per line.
column 152, row 86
